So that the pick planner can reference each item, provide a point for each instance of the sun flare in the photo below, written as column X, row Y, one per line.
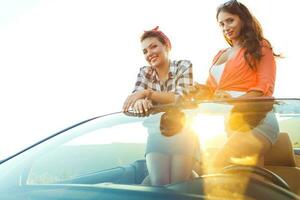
column 210, row 129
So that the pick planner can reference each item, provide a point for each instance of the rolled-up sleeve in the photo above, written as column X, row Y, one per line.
column 266, row 73
column 185, row 78
column 141, row 82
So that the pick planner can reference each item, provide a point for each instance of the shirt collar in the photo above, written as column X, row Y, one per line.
column 153, row 76
column 172, row 70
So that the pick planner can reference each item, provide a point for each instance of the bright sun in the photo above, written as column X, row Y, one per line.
column 210, row 129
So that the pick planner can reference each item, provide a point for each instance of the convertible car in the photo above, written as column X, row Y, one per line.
column 103, row 157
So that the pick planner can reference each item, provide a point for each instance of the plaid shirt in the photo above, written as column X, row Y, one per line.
column 180, row 78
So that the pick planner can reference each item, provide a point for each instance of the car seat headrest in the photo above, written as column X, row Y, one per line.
column 281, row 153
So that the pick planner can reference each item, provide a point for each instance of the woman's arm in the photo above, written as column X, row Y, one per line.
column 161, row 97
column 142, row 106
column 251, row 94
column 140, row 92
column 131, row 99
column 139, row 89
column 184, row 79
column 266, row 73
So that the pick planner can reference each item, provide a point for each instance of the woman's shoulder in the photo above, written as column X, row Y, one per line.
column 220, row 52
column 179, row 67
column 266, row 47
column 146, row 69
column 184, row 64
column 265, row 43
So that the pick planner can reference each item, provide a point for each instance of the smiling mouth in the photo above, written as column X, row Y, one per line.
column 153, row 58
column 229, row 33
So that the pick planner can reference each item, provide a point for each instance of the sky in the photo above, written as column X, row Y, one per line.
column 64, row 61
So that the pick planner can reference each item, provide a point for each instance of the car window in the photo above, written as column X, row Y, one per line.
column 117, row 141
column 291, row 125
column 97, row 150
column 288, row 115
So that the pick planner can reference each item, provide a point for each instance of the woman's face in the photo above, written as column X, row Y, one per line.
column 155, row 52
column 230, row 24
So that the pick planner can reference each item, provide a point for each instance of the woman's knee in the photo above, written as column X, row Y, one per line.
column 182, row 167
column 158, row 180
column 159, row 168
column 146, row 181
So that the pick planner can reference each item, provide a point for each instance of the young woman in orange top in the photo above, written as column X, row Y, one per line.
column 246, row 69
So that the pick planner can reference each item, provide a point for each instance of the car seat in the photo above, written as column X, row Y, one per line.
column 281, row 160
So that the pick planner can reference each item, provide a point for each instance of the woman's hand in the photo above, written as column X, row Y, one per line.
column 220, row 94
column 131, row 99
column 199, row 92
column 142, row 106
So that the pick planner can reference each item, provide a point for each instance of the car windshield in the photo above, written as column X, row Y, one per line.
column 102, row 149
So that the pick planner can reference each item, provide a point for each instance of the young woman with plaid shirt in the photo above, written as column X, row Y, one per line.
column 169, row 159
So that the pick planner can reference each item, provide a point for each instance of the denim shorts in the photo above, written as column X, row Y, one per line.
column 267, row 127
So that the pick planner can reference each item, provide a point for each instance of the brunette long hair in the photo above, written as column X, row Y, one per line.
column 251, row 35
